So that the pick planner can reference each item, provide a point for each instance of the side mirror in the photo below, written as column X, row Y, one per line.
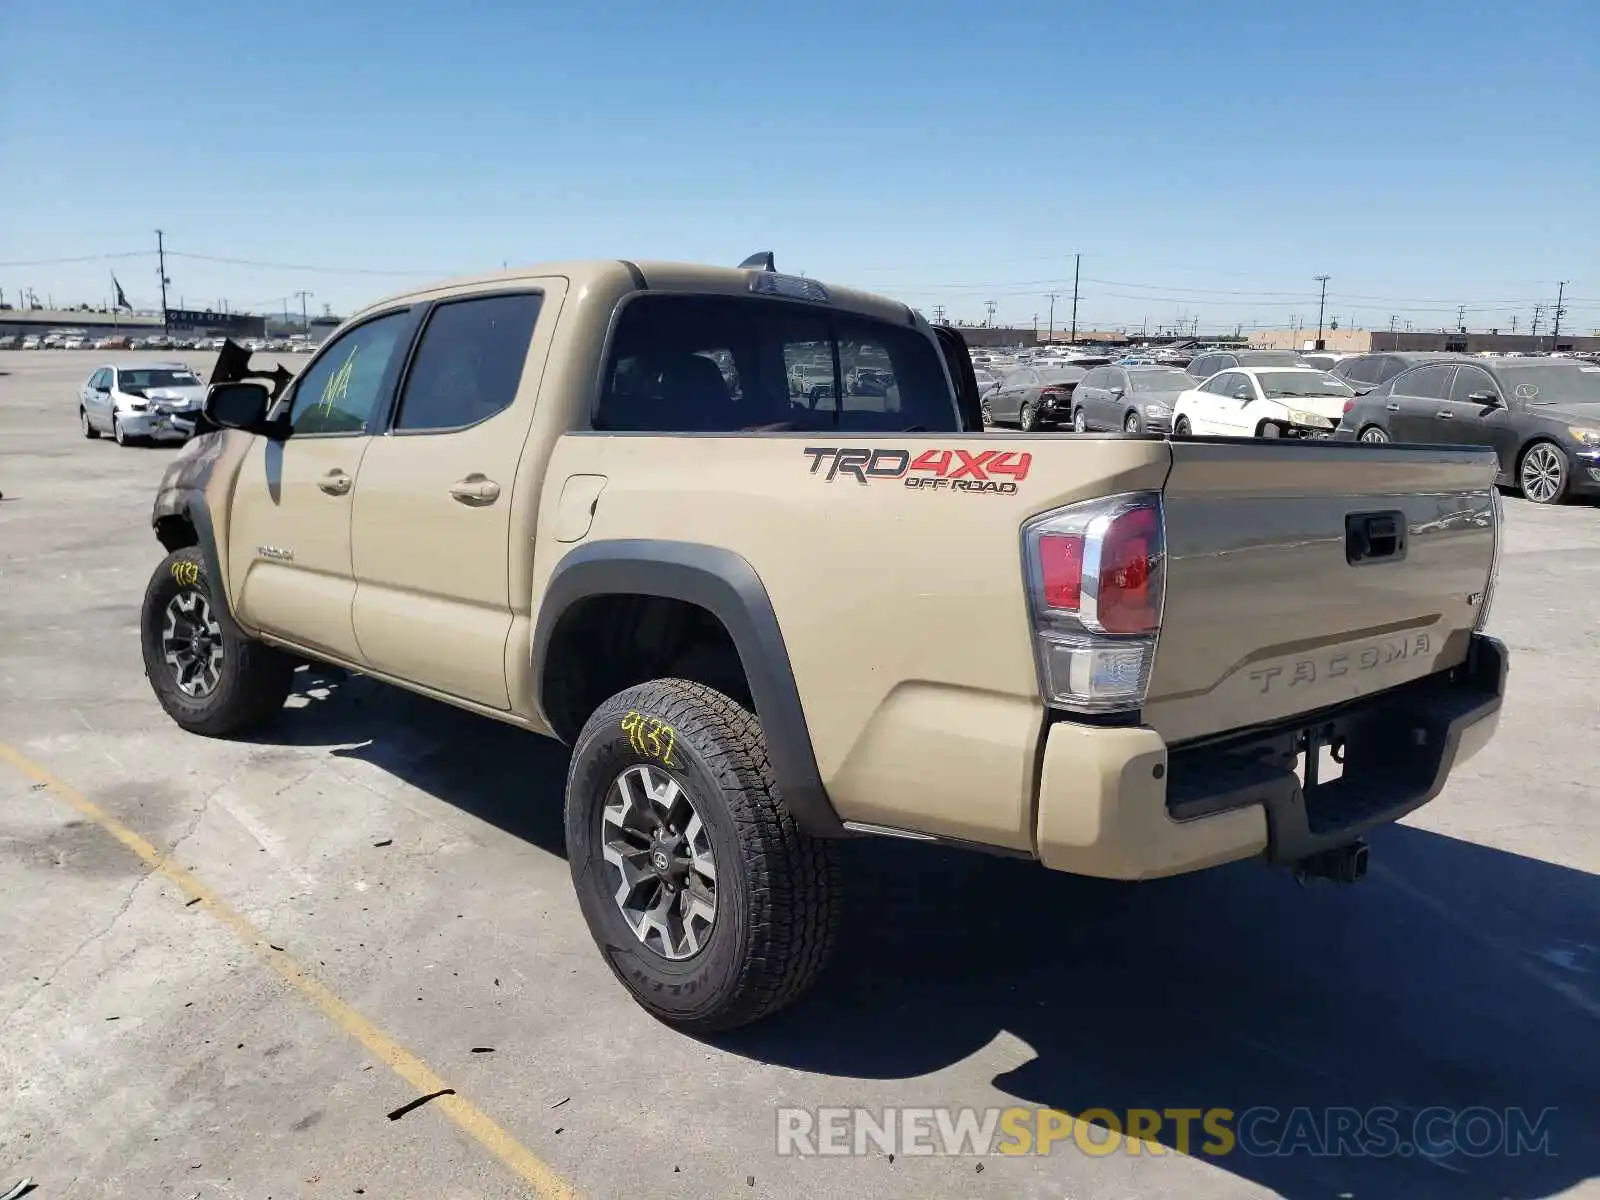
column 1118, row 392
column 1242, row 394
column 242, row 406
column 1487, row 399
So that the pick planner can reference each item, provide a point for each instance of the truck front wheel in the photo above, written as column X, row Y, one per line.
column 704, row 896
column 208, row 679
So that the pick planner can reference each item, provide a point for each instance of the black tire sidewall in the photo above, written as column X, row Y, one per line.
column 1132, row 424
column 164, row 585
column 681, row 990
column 1080, row 421
column 1025, row 417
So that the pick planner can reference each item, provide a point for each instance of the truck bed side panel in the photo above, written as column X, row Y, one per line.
column 901, row 607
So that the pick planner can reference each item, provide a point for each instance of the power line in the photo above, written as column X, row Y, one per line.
column 278, row 266
column 81, row 258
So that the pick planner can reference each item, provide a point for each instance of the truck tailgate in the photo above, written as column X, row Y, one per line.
column 1304, row 574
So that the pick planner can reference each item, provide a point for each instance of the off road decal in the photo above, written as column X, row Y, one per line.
column 186, row 574
column 996, row 472
column 651, row 737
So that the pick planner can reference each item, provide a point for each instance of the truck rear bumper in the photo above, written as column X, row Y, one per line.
column 1120, row 804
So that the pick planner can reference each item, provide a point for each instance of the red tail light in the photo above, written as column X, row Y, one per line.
column 1128, row 601
column 1349, row 404
column 1096, row 575
column 1060, row 393
column 1061, row 564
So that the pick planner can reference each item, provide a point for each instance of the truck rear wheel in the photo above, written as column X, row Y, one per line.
column 705, row 897
column 209, row 680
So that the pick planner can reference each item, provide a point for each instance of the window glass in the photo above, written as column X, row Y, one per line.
column 1289, row 384
column 1429, row 383
column 101, row 379
column 1221, row 385
column 1204, row 367
column 1391, row 366
column 1095, row 379
column 1162, row 380
column 722, row 363
column 137, row 379
column 1361, row 370
column 469, row 362
column 809, row 366
column 1469, row 380
column 339, row 391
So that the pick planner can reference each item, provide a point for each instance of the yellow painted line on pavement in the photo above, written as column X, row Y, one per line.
column 470, row 1119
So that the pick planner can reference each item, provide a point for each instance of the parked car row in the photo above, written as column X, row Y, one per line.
column 1541, row 415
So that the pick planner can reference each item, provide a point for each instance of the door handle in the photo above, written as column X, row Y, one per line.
column 475, row 489
column 1392, row 407
column 335, row 482
column 1444, row 414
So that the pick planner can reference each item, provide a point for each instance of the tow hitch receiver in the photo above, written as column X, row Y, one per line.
column 1342, row 864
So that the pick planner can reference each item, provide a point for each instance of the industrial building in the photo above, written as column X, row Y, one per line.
column 1362, row 341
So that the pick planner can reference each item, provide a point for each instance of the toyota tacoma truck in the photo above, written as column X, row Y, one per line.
column 583, row 499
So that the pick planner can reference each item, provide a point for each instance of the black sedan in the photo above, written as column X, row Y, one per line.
column 1033, row 397
column 1541, row 415
column 1134, row 399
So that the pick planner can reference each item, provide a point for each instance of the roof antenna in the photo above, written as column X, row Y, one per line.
column 760, row 261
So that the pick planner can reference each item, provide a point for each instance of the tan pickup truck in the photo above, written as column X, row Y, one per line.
column 590, row 500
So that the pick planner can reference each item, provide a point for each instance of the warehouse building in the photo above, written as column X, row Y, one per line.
column 1362, row 341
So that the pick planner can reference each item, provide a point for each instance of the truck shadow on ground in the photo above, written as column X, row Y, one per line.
column 1456, row 983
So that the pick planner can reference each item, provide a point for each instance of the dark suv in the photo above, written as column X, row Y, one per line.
column 1363, row 372
column 1207, row 365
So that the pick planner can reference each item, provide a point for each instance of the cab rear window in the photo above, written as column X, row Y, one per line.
column 718, row 364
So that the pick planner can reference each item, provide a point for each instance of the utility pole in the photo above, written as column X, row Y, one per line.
column 1035, row 329
column 1555, row 330
column 161, row 259
column 1322, row 303
column 938, row 311
column 1538, row 316
column 1393, row 321
column 1077, row 260
column 1051, row 336
column 989, row 307
column 1513, row 322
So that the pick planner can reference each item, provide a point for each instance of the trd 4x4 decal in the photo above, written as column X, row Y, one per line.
column 997, row 472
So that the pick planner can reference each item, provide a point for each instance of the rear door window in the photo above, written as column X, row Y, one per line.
column 468, row 363
column 1429, row 383
column 726, row 364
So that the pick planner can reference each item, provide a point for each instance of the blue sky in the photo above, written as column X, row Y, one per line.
column 1207, row 160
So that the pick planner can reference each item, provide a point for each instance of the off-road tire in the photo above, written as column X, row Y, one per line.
column 254, row 679
column 89, row 431
column 778, row 889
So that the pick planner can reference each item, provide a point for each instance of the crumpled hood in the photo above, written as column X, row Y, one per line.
column 1331, row 407
column 175, row 399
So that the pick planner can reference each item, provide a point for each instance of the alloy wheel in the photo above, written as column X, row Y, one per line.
column 1542, row 474
column 1080, row 422
column 661, row 861
column 1374, row 434
column 1131, row 424
column 191, row 642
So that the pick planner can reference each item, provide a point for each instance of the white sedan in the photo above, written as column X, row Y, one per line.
column 1298, row 402
column 141, row 402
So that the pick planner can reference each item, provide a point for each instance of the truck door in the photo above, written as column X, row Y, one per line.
column 289, row 543
column 438, row 517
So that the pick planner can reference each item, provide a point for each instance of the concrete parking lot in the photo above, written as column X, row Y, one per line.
column 229, row 965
